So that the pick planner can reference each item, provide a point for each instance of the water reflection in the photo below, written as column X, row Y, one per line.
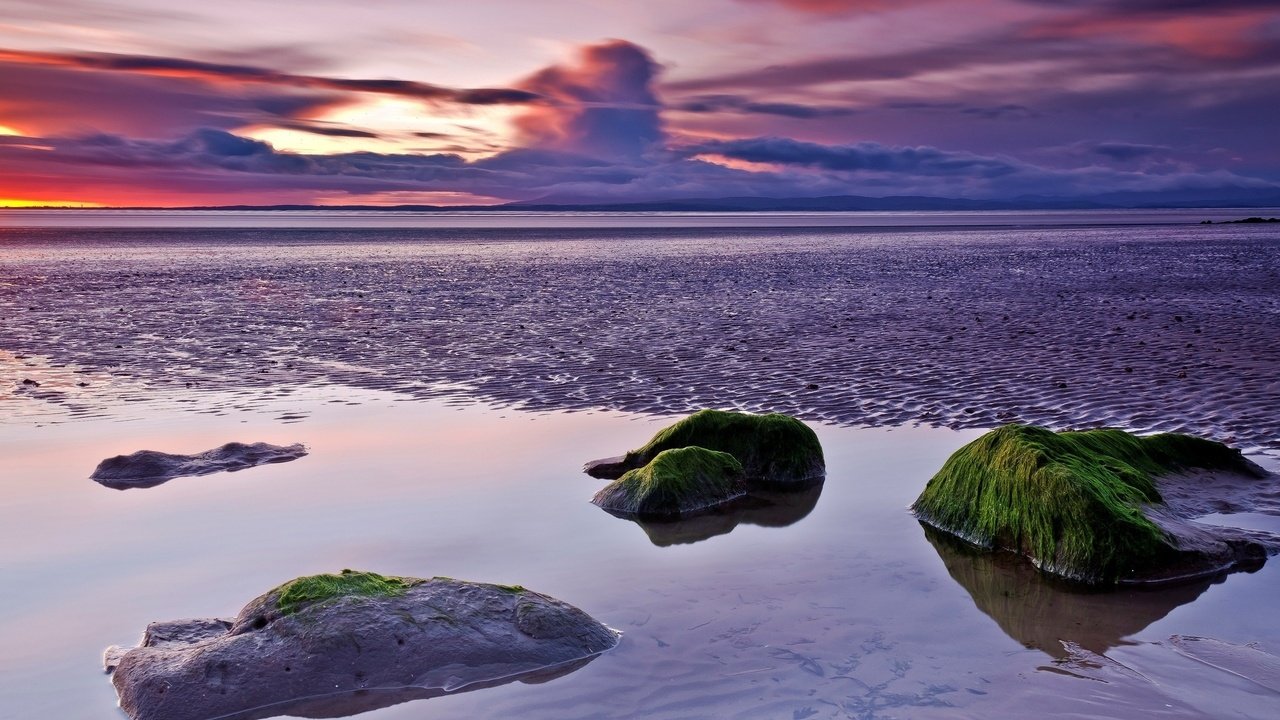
column 1042, row 613
column 362, row 701
column 773, row 508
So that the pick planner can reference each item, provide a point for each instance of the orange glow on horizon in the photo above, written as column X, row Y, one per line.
column 22, row 203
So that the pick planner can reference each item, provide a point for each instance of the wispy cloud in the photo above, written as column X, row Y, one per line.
column 1050, row 106
column 218, row 72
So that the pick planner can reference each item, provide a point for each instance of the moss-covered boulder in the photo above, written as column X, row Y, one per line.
column 774, row 450
column 1086, row 505
column 331, row 645
column 676, row 482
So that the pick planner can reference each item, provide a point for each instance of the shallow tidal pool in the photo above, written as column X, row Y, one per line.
column 834, row 604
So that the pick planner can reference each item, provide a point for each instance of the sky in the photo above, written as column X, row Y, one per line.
column 157, row 103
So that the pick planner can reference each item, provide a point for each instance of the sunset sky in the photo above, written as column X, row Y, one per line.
column 152, row 102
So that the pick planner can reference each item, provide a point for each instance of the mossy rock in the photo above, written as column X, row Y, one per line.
column 775, row 450
column 338, row 644
column 1084, row 505
column 676, row 482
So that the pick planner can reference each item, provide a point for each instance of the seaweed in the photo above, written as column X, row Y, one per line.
column 304, row 592
column 1072, row 501
column 674, row 482
column 773, row 448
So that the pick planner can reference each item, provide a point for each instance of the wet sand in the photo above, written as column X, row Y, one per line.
column 1145, row 328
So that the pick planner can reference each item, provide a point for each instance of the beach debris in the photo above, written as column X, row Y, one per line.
column 1087, row 505
column 148, row 468
column 676, row 482
column 330, row 645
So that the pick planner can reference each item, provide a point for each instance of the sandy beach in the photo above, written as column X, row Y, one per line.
column 1144, row 328
column 403, row 358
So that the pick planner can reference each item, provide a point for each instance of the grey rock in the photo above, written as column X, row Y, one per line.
column 609, row 468
column 353, row 653
column 148, row 468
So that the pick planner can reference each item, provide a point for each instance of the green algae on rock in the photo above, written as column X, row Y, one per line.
column 1086, row 505
column 775, row 450
column 676, row 482
column 304, row 591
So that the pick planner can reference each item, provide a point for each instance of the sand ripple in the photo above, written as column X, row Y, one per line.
column 1148, row 328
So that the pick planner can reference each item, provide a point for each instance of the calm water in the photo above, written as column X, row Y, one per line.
column 448, row 384
column 527, row 220
column 850, row 611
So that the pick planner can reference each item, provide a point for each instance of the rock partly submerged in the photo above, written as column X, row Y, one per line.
column 775, row 450
column 329, row 645
column 148, row 468
column 707, row 461
column 1087, row 505
column 675, row 482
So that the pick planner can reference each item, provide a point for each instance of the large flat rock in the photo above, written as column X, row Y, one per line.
column 293, row 653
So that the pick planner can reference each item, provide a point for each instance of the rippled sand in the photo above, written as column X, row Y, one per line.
column 1148, row 328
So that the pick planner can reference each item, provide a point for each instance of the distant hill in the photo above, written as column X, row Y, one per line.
column 1210, row 198
column 1230, row 197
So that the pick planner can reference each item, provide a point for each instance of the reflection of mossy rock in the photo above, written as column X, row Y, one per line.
column 1042, row 612
column 764, row 508
column 315, row 646
column 1084, row 505
column 676, row 482
column 775, row 450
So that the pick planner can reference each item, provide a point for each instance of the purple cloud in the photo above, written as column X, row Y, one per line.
column 603, row 105
column 596, row 130
column 857, row 157
column 737, row 103
column 228, row 73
